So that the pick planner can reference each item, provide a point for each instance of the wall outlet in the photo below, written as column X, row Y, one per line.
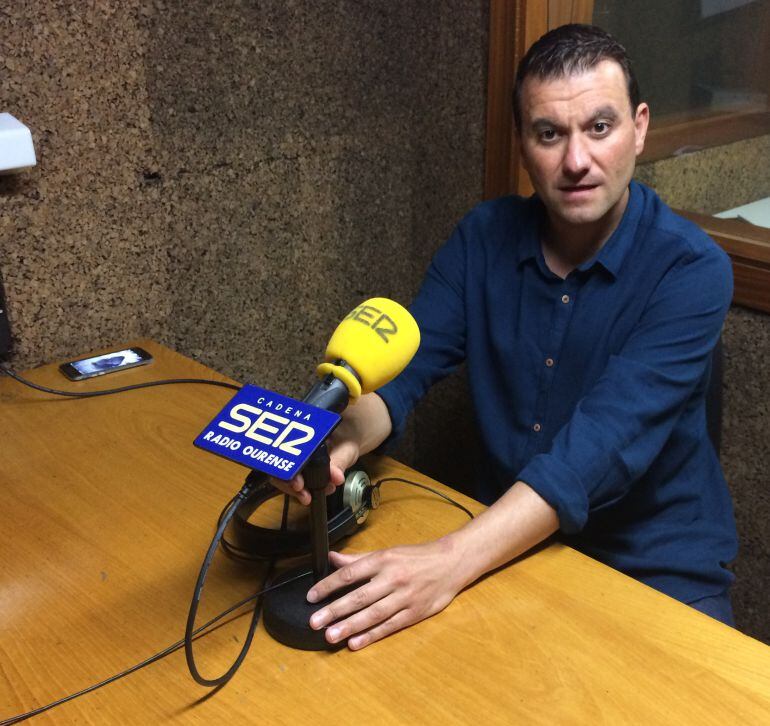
column 5, row 328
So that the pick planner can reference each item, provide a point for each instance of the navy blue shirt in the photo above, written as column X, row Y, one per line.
column 591, row 389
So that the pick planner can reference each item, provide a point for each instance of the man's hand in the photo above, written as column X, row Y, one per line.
column 399, row 587
column 403, row 585
column 364, row 426
column 342, row 456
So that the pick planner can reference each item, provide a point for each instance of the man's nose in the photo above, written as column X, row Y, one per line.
column 577, row 158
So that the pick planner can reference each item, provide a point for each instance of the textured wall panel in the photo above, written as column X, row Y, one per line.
column 712, row 180
column 81, row 244
column 746, row 462
column 232, row 178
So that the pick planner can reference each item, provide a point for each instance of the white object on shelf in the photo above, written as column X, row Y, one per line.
column 715, row 7
column 16, row 149
column 756, row 212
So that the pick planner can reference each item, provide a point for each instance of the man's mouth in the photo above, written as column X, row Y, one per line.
column 577, row 188
column 577, row 193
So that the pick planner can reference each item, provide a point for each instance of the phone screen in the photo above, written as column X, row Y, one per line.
column 106, row 363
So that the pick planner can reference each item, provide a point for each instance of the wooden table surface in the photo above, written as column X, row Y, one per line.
column 107, row 510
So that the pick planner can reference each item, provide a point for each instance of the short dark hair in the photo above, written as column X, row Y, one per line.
column 568, row 49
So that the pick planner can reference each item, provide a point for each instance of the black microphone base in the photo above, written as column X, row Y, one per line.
column 286, row 614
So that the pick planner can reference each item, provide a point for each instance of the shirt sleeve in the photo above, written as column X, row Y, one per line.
column 620, row 427
column 439, row 309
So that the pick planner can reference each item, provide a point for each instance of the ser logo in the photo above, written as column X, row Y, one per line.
column 287, row 436
column 378, row 321
column 266, row 431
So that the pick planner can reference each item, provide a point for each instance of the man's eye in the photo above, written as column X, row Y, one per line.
column 548, row 135
column 601, row 128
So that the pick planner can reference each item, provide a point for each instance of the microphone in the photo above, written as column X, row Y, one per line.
column 277, row 436
column 369, row 348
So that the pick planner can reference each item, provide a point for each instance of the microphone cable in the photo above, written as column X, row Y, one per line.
column 90, row 394
column 218, row 541
column 197, row 633
column 224, row 519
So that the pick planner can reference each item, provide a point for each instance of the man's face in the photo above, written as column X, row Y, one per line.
column 579, row 143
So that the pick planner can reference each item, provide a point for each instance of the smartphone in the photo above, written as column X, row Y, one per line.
column 98, row 365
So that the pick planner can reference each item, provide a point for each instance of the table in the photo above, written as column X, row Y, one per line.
column 107, row 510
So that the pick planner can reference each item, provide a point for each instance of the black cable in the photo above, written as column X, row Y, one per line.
column 427, row 488
column 197, row 633
column 195, row 602
column 91, row 394
column 224, row 520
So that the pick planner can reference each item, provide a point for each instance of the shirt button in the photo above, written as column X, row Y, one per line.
column 536, row 428
column 565, row 299
column 549, row 362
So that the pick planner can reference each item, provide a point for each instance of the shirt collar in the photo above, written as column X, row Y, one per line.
column 614, row 250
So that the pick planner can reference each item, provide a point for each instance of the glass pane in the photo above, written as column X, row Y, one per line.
column 704, row 68
column 694, row 57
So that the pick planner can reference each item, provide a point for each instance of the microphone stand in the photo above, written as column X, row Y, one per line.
column 285, row 609
column 316, row 474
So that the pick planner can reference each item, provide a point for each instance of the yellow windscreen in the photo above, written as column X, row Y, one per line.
column 377, row 340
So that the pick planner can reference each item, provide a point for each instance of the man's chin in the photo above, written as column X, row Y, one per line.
column 580, row 215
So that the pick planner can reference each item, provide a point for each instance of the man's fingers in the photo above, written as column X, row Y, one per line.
column 342, row 455
column 385, row 591
column 340, row 559
column 294, row 488
column 353, row 602
column 353, row 568
column 376, row 615
column 399, row 621
column 336, row 475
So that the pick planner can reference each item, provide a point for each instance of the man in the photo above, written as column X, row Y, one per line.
column 587, row 315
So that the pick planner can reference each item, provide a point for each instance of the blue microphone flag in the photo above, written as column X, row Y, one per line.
column 266, row 431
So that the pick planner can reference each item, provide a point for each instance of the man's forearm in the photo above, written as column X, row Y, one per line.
column 515, row 523
column 366, row 424
column 518, row 521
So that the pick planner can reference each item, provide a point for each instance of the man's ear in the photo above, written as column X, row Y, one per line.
column 641, row 123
